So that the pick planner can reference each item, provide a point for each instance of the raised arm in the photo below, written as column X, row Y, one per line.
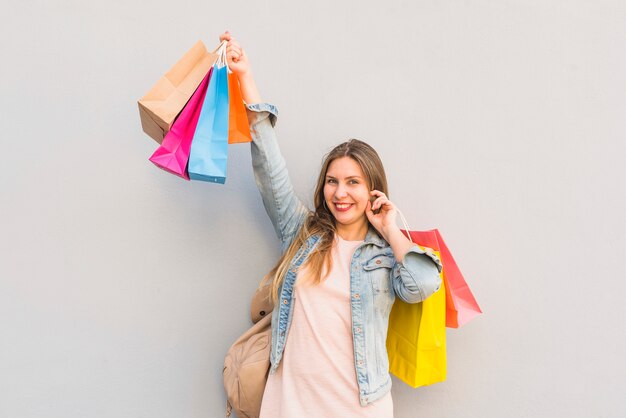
column 283, row 207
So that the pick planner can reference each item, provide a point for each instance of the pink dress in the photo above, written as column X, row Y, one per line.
column 317, row 377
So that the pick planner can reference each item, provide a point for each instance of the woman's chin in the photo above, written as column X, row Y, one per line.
column 347, row 220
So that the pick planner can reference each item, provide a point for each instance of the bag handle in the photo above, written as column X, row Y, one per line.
column 405, row 224
column 221, row 56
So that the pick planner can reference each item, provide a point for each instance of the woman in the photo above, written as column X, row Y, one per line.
column 341, row 267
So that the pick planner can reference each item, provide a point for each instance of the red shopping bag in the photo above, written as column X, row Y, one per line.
column 461, row 306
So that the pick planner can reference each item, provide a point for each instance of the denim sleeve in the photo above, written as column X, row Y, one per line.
column 284, row 208
column 417, row 276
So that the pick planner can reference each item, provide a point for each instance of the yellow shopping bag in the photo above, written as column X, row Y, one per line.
column 416, row 339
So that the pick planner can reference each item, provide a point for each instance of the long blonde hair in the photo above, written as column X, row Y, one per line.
column 321, row 222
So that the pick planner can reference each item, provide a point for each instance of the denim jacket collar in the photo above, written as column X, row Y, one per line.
column 372, row 237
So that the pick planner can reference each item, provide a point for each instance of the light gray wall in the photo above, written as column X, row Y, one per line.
column 502, row 123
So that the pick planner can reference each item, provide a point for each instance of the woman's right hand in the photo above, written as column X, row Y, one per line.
column 235, row 56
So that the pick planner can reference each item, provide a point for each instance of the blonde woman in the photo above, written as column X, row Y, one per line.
column 342, row 265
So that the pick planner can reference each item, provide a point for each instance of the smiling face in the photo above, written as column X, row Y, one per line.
column 346, row 193
column 348, row 173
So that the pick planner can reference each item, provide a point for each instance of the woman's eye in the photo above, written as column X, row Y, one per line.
column 331, row 181
column 354, row 182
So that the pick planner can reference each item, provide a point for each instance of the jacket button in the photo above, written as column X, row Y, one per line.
column 360, row 362
column 378, row 261
column 356, row 296
column 262, row 313
column 285, row 301
column 357, row 329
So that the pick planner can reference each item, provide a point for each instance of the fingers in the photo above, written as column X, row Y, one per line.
column 233, row 55
column 233, row 45
column 225, row 36
column 234, row 50
column 380, row 200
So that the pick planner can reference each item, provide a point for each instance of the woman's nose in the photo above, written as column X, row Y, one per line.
column 340, row 191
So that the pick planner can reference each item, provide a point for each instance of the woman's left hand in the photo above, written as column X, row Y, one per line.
column 386, row 217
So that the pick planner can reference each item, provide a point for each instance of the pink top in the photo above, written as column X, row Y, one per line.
column 317, row 377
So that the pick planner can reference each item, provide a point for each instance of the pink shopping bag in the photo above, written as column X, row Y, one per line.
column 173, row 154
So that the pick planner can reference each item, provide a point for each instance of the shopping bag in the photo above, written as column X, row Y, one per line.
column 461, row 306
column 209, row 148
column 416, row 340
column 160, row 106
column 238, row 126
column 173, row 154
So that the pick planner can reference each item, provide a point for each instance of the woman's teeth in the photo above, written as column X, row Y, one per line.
column 342, row 206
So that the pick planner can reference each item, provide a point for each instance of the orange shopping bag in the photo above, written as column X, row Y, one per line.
column 238, row 127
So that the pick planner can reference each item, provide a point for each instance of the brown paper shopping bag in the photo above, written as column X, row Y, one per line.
column 160, row 106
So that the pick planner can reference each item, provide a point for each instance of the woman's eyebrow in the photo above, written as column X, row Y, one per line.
column 346, row 178
column 349, row 177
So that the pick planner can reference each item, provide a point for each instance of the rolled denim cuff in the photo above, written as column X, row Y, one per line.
column 259, row 111
column 428, row 252
column 421, row 269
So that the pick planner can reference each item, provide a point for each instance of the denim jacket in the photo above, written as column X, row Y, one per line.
column 376, row 277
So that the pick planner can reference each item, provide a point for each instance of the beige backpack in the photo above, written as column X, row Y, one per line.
column 247, row 362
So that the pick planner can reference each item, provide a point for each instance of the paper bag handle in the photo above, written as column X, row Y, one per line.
column 405, row 224
column 221, row 55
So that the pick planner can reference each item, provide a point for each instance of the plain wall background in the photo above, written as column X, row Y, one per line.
column 502, row 123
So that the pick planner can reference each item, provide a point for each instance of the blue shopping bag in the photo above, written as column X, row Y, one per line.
column 209, row 148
